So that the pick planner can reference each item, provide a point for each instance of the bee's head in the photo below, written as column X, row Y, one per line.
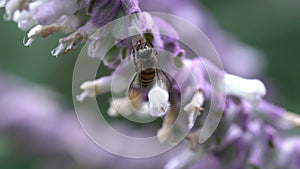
column 144, row 53
column 145, row 57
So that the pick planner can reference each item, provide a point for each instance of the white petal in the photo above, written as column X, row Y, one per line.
column 26, row 24
column 28, row 42
column 196, row 102
column 158, row 101
column 250, row 89
column 3, row 3
column 94, row 88
column 34, row 31
column 164, row 135
column 82, row 96
column 194, row 107
column 120, row 104
column 26, row 14
column 123, row 106
column 104, row 84
column 11, row 7
column 59, row 49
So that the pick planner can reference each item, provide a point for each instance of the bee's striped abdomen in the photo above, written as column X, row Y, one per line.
column 146, row 77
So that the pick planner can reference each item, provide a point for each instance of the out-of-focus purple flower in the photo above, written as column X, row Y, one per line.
column 289, row 153
column 104, row 14
column 40, row 126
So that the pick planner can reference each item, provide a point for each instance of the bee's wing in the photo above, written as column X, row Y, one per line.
column 170, row 83
column 164, row 78
column 134, row 88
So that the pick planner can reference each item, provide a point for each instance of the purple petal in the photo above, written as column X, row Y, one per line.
column 50, row 11
column 130, row 6
column 104, row 14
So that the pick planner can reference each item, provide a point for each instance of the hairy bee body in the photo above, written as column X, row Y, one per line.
column 146, row 67
column 147, row 77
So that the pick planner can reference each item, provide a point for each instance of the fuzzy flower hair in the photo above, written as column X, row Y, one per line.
column 250, row 134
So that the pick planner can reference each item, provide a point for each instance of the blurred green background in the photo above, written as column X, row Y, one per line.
column 272, row 26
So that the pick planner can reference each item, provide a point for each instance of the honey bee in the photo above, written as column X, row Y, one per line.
column 147, row 75
column 147, row 71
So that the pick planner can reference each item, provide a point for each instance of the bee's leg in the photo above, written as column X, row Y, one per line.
column 136, row 102
column 135, row 96
column 126, row 107
column 164, row 134
column 193, row 139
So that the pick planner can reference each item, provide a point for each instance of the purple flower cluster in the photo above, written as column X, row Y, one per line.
column 33, row 120
column 252, row 132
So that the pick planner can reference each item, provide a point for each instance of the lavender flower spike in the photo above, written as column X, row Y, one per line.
column 250, row 131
